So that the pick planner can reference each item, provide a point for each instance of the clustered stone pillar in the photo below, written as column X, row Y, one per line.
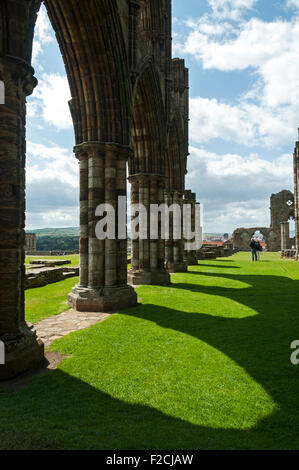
column 103, row 263
column 174, row 247
column 148, row 254
column 285, row 235
column 191, row 254
column 22, row 348
column 296, row 196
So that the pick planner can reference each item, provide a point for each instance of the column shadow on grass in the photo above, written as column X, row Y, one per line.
column 259, row 343
column 61, row 411
column 215, row 266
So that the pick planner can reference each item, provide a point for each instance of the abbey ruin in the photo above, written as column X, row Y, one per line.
column 277, row 236
column 129, row 107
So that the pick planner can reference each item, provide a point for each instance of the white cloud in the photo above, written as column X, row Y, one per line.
column 232, row 9
column 54, row 163
column 268, row 112
column 50, row 101
column 293, row 3
column 43, row 35
column 235, row 190
column 244, row 123
column 250, row 45
column 52, row 182
column 65, row 217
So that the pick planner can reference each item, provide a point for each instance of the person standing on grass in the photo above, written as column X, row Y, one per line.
column 253, row 246
column 259, row 249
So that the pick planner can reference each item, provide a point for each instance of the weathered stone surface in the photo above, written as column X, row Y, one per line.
column 56, row 327
column 129, row 105
column 282, row 209
column 30, row 242
column 22, row 351
column 44, row 276
column 150, row 277
column 107, row 299
column 51, row 263
column 296, row 197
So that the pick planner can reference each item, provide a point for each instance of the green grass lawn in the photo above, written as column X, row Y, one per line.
column 203, row 364
column 50, row 300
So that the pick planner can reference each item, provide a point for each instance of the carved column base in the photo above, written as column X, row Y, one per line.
column 158, row 277
column 23, row 351
column 191, row 260
column 107, row 299
column 176, row 267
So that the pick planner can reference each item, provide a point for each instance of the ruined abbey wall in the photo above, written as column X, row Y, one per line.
column 129, row 105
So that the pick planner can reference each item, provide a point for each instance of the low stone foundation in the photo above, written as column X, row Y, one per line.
column 43, row 276
column 291, row 254
column 214, row 252
column 202, row 255
column 50, row 263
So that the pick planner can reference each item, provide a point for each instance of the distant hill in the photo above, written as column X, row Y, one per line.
column 216, row 235
column 213, row 234
column 56, row 232
column 51, row 239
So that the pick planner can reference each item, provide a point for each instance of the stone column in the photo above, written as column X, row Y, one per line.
column 174, row 247
column 83, row 243
column 22, row 348
column 148, row 255
column 190, row 257
column 285, row 235
column 169, row 256
column 103, row 263
column 296, row 196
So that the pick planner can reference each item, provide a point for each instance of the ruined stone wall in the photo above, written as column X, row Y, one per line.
column 296, row 197
column 30, row 242
column 129, row 105
column 282, row 209
column 242, row 237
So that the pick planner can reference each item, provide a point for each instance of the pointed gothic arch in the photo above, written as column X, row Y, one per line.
column 117, row 56
column 176, row 161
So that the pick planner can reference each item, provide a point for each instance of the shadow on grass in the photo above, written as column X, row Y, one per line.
column 260, row 344
column 215, row 266
column 61, row 411
column 221, row 260
column 58, row 411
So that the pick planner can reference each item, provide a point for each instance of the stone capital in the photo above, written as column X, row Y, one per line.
column 146, row 177
column 103, row 149
column 17, row 73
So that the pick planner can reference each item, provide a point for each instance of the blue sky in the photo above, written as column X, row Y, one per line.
column 244, row 110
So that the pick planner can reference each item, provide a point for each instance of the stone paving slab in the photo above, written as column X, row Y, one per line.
column 48, row 330
column 56, row 327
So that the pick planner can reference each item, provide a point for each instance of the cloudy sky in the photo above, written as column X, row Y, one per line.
column 244, row 105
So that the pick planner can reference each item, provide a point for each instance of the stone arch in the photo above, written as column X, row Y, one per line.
column 176, row 161
column 175, row 191
column 93, row 49
column 101, row 42
column 242, row 236
column 147, row 172
column 92, row 45
column 148, row 135
column 153, row 19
